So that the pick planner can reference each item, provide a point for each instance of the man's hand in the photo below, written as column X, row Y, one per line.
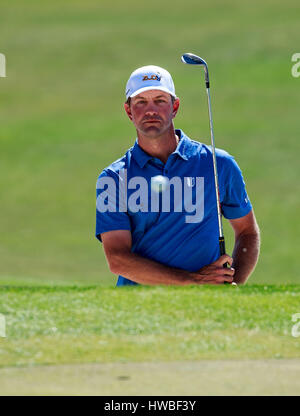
column 215, row 273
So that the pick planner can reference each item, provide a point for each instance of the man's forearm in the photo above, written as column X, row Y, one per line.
column 245, row 256
column 148, row 272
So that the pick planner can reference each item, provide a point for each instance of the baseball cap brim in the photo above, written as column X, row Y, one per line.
column 152, row 88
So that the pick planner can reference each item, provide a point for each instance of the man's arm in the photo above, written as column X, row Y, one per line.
column 117, row 247
column 246, row 249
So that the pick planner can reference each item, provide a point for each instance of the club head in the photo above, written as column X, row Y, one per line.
column 191, row 59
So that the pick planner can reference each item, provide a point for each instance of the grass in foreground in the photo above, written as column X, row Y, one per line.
column 54, row 325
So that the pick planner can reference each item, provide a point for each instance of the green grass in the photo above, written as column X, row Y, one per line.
column 62, row 119
column 92, row 324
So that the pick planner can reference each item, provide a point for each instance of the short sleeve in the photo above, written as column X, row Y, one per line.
column 109, row 203
column 235, row 203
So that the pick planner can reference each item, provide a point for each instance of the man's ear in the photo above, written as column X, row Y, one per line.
column 175, row 107
column 128, row 110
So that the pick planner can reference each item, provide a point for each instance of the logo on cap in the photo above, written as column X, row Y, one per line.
column 154, row 77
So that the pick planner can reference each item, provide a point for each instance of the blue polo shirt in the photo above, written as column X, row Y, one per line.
column 169, row 232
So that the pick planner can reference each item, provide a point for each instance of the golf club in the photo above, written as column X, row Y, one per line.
column 191, row 59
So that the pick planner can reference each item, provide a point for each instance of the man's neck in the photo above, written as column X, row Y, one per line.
column 161, row 146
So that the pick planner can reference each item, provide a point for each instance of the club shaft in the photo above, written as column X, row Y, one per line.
column 192, row 59
column 221, row 235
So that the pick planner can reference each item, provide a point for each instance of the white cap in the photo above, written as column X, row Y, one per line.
column 149, row 77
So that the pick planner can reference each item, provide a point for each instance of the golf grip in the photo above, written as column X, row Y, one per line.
column 222, row 248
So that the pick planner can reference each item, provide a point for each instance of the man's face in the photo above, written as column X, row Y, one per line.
column 152, row 112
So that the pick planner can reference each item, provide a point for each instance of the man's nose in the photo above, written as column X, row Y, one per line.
column 151, row 109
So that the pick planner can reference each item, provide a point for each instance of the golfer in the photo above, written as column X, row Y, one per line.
column 168, row 234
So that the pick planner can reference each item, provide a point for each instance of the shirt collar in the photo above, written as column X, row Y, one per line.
column 183, row 145
column 181, row 150
column 139, row 155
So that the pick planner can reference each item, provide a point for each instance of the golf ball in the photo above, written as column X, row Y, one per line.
column 159, row 183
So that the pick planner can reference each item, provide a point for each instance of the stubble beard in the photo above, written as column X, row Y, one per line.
column 154, row 131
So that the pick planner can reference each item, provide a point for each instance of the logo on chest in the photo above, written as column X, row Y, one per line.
column 190, row 181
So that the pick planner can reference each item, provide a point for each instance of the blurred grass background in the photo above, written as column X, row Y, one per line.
column 62, row 119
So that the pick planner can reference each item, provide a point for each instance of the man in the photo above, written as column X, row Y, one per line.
column 167, row 237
